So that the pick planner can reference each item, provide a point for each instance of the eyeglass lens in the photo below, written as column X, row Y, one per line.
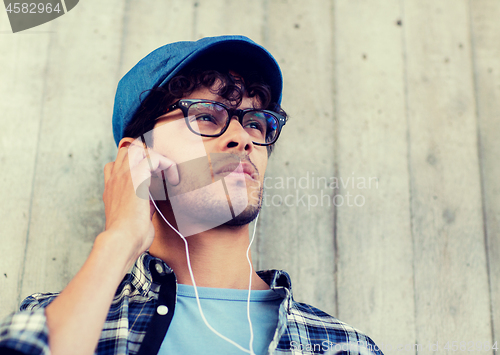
column 210, row 119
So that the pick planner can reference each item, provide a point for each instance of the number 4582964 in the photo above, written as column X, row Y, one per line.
column 32, row 8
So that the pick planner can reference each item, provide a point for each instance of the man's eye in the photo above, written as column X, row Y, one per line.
column 205, row 118
column 255, row 125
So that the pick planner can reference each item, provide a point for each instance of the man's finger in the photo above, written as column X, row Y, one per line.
column 136, row 153
column 161, row 163
column 141, row 179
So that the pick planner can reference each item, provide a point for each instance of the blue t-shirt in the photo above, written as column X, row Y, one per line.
column 226, row 311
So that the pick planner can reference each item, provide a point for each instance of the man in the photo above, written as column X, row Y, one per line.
column 195, row 123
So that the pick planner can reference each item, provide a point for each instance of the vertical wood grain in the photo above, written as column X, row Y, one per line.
column 296, row 233
column 485, row 56
column 451, row 286
column 226, row 17
column 23, row 60
column 375, row 265
column 75, row 143
column 148, row 26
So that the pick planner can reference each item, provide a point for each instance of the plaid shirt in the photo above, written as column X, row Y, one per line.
column 142, row 311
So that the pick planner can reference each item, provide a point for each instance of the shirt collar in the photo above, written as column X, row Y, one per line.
column 142, row 275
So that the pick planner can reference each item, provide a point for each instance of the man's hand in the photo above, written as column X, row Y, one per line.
column 126, row 193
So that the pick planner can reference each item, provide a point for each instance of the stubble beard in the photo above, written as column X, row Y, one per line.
column 248, row 214
column 206, row 209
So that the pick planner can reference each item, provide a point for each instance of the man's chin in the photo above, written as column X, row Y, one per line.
column 245, row 217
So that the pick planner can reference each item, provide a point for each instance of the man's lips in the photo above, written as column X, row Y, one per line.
column 243, row 167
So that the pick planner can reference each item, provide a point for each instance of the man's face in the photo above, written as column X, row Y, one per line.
column 214, row 171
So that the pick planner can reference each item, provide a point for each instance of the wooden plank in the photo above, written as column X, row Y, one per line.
column 485, row 51
column 224, row 17
column 23, row 60
column 75, row 143
column 451, row 285
column 296, row 223
column 184, row 21
column 147, row 28
column 375, row 269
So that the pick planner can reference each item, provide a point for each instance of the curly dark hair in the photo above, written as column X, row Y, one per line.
column 227, row 85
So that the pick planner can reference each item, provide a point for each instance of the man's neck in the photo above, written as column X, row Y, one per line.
column 218, row 256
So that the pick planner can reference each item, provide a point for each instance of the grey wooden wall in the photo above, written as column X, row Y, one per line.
column 394, row 117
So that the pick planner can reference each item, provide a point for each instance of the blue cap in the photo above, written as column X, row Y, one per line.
column 161, row 65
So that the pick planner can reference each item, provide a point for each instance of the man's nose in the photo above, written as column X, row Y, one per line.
column 237, row 137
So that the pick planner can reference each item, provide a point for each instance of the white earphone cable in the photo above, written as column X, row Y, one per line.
column 196, row 290
column 250, row 285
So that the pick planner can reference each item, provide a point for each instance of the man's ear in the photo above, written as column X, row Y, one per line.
column 125, row 142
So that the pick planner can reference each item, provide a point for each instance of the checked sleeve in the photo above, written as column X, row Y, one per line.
column 26, row 332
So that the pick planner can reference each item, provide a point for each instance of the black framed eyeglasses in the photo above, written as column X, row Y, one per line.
column 211, row 119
